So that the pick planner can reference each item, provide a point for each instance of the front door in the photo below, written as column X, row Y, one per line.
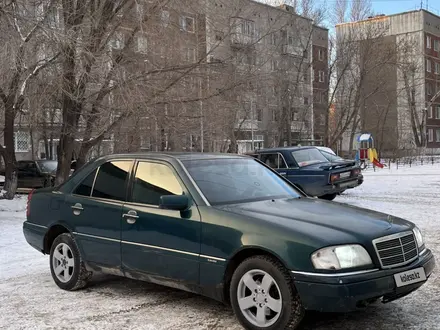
column 156, row 241
column 94, row 213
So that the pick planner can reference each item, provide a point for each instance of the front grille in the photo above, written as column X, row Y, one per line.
column 396, row 250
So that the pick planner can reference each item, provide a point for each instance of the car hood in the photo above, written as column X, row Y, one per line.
column 315, row 217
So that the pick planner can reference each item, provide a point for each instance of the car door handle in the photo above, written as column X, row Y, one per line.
column 283, row 173
column 77, row 208
column 131, row 217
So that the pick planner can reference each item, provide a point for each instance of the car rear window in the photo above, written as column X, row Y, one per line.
column 306, row 157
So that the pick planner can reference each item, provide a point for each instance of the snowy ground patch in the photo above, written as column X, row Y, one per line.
column 29, row 299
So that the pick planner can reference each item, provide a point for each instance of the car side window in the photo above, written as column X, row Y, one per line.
column 275, row 161
column 152, row 181
column 85, row 187
column 111, row 179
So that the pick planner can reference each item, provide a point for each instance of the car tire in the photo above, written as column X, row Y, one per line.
column 263, row 295
column 66, row 265
column 329, row 197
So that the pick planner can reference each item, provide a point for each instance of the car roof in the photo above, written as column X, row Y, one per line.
column 173, row 155
column 285, row 148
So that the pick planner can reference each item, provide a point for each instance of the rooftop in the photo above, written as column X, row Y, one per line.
column 383, row 16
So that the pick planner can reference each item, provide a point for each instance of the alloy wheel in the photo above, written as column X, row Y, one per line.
column 63, row 262
column 259, row 298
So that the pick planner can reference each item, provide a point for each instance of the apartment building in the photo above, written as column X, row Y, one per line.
column 398, row 102
column 320, row 81
column 256, row 69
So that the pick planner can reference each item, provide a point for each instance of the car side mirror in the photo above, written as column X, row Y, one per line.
column 174, row 202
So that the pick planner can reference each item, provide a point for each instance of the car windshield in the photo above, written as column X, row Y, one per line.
column 238, row 180
column 306, row 157
column 48, row 166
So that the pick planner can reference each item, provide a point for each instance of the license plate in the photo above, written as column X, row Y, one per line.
column 410, row 277
column 344, row 175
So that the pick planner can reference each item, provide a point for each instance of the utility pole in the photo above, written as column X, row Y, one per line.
column 201, row 117
column 252, row 125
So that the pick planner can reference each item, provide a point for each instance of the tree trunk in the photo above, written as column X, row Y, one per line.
column 10, row 187
column 71, row 112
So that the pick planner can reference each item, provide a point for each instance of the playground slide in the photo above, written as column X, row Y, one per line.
column 372, row 155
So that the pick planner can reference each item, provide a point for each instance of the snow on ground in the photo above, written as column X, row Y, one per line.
column 29, row 299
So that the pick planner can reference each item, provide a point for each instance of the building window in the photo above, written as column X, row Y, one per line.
column 428, row 42
column 430, row 112
column 437, row 135
column 321, row 76
column 437, row 113
column 22, row 140
column 321, row 55
column 429, row 89
column 141, row 44
column 165, row 18
column 117, row 41
column 273, row 39
column 187, row 24
column 273, row 65
column 430, row 135
column 247, row 28
column 436, row 45
column 437, row 68
column 428, row 65
column 306, row 100
column 259, row 114
column 294, row 116
column 190, row 55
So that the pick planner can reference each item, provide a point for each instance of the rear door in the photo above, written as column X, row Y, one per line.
column 276, row 161
column 94, row 212
column 161, row 242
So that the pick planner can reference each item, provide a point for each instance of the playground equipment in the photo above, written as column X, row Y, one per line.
column 366, row 151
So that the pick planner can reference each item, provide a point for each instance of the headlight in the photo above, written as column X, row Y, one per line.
column 340, row 257
column 419, row 237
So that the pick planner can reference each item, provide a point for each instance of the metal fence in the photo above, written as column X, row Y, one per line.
column 405, row 162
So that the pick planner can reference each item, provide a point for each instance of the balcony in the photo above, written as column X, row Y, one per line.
column 292, row 50
column 241, row 40
column 247, row 125
column 297, row 126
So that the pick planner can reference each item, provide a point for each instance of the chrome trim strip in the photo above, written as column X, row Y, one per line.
column 34, row 224
column 395, row 236
column 161, row 248
column 193, row 182
column 94, row 180
column 151, row 246
column 336, row 274
column 98, row 237
column 423, row 251
column 213, row 258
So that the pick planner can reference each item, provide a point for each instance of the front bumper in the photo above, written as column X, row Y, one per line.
column 352, row 291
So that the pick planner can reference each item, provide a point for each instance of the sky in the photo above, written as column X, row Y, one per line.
column 388, row 7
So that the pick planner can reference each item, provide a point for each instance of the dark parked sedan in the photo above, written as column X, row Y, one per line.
column 316, row 172
column 227, row 227
column 35, row 173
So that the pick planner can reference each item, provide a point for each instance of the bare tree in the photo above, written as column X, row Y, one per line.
column 21, row 22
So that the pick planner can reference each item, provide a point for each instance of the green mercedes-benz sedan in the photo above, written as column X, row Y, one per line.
column 227, row 227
